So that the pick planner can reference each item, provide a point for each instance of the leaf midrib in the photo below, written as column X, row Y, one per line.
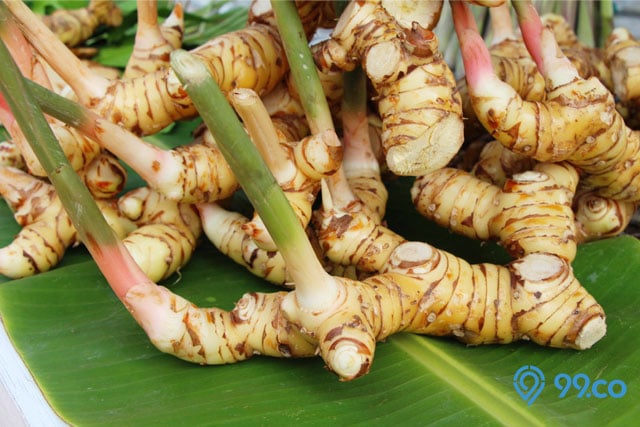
column 482, row 394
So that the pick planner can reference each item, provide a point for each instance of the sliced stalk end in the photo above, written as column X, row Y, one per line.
column 592, row 332
column 349, row 360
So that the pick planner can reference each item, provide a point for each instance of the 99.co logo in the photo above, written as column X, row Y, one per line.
column 529, row 381
column 599, row 388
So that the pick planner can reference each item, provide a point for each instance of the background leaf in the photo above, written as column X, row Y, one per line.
column 96, row 366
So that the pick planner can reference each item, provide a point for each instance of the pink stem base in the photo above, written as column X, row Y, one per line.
column 117, row 266
column 475, row 54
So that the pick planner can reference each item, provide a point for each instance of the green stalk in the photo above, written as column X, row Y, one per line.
column 307, row 83
column 605, row 24
column 256, row 179
column 303, row 68
column 585, row 24
column 444, row 33
column 70, row 189
column 61, row 108
column 139, row 154
column 111, row 136
column 95, row 233
column 358, row 154
column 339, row 6
column 356, row 97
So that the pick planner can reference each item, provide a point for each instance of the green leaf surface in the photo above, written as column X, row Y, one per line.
column 95, row 366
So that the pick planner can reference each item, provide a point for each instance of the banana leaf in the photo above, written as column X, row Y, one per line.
column 96, row 367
